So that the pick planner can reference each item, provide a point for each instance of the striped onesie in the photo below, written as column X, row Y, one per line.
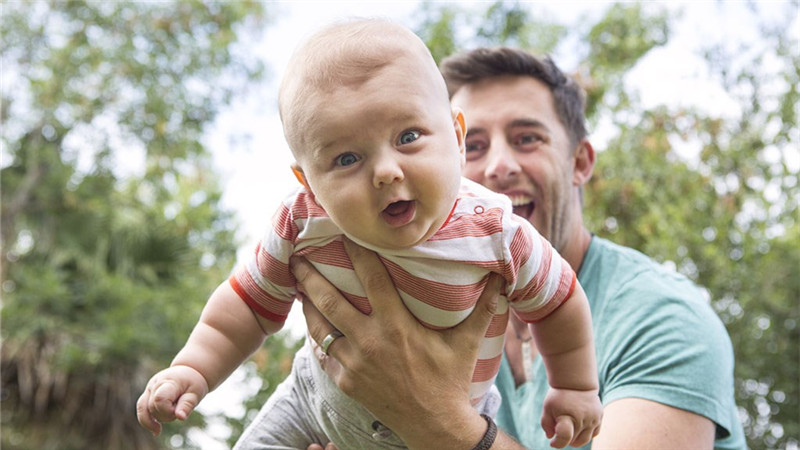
column 439, row 280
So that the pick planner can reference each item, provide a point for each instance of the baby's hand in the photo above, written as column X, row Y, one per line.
column 571, row 417
column 171, row 394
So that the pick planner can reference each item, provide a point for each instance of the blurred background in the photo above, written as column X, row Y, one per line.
column 142, row 156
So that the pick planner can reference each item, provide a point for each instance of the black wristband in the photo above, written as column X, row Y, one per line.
column 488, row 437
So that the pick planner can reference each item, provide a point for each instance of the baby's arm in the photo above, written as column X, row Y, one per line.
column 572, row 408
column 227, row 333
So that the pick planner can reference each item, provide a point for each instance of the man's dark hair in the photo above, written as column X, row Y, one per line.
column 481, row 63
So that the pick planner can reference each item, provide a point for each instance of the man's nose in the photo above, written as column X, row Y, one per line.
column 387, row 170
column 501, row 163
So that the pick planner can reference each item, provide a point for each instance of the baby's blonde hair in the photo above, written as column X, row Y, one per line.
column 344, row 54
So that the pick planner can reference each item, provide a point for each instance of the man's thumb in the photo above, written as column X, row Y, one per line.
column 478, row 321
column 487, row 303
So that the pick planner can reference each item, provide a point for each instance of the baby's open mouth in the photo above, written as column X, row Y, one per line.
column 397, row 208
column 399, row 213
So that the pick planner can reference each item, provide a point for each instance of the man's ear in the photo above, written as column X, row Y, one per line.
column 301, row 177
column 460, row 126
column 584, row 162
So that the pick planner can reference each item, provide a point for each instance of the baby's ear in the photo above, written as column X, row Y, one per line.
column 460, row 126
column 301, row 177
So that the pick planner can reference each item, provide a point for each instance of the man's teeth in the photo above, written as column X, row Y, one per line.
column 519, row 200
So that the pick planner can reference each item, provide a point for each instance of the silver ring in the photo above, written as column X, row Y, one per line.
column 326, row 343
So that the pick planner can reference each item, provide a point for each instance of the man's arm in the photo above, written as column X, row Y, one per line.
column 634, row 423
column 415, row 380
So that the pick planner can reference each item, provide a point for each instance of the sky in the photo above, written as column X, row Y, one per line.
column 255, row 170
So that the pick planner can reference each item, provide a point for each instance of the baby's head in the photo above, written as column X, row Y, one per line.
column 366, row 114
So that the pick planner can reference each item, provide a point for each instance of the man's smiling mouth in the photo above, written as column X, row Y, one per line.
column 523, row 204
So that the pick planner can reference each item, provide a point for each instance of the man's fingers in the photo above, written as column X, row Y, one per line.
column 330, row 446
column 327, row 299
column 474, row 327
column 375, row 279
column 318, row 326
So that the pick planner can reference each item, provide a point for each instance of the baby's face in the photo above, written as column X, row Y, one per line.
column 384, row 158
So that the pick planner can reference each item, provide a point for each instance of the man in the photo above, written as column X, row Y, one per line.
column 664, row 359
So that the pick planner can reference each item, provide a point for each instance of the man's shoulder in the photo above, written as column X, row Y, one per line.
column 606, row 250
column 620, row 272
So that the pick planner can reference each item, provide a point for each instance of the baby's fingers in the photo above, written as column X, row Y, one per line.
column 171, row 403
column 162, row 401
column 564, row 431
column 143, row 414
column 584, row 436
column 186, row 405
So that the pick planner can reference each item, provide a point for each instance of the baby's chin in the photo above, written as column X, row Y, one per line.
column 400, row 238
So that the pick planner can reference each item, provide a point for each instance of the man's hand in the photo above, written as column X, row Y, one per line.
column 416, row 380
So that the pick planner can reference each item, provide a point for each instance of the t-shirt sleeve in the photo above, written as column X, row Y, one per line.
column 540, row 280
column 666, row 348
column 265, row 281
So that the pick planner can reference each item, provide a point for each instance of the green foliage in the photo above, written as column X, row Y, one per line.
column 438, row 29
column 113, row 235
column 502, row 23
column 616, row 43
column 726, row 217
column 715, row 197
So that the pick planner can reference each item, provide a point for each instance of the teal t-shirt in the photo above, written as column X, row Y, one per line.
column 656, row 338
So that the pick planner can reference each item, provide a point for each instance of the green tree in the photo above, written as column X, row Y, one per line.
column 726, row 216
column 501, row 23
column 112, row 231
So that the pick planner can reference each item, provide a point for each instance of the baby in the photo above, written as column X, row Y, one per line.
column 379, row 151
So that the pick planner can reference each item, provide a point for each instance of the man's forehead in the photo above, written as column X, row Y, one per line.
column 510, row 125
column 507, row 87
column 507, row 100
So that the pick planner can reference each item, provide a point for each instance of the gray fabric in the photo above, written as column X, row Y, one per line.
column 309, row 408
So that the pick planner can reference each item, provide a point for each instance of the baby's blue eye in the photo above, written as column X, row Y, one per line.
column 409, row 137
column 346, row 159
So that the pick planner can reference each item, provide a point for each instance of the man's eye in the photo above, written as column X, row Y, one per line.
column 474, row 145
column 346, row 159
column 527, row 139
column 408, row 137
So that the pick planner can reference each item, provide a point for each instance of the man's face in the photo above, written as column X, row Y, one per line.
column 517, row 145
column 384, row 158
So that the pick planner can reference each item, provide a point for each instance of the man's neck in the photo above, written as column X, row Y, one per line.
column 576, row 247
